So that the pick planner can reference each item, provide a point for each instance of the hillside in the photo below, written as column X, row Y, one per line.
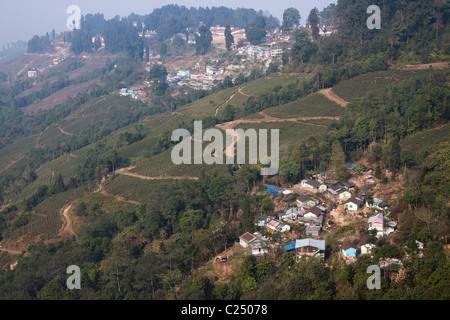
column 87, row 174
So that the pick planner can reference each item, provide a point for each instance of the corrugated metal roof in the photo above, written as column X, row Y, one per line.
column 319, row 244
column 378, row 216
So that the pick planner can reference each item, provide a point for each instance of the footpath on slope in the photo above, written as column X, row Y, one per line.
column 67, row 227
column 331, row 95
column 229, row 150
column 126, row 172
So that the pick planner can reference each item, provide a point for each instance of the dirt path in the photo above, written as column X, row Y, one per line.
column 23, row 69
column 243, row 93
column 267, row 118
column 67, row 227
column 10, row 251
column 119, row 198
column 37, row 139
column 11, row 163
column 330, row 95
column 425, row 66
column 64, row 131
column 126, row 172
column 229, row 150
column 223, row 103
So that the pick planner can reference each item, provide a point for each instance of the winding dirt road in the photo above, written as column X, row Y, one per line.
column 330, row 95
column 67, row 227
column 126, row 172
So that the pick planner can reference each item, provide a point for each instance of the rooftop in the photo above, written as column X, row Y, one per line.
column 319, row 244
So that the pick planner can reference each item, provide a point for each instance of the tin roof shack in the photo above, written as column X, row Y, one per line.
column 274, row 225
column 313, row 230
column 311, row 220
column 290, row 215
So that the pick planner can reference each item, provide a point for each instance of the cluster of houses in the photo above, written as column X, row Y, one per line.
column 133, row 93
column 35, row 72
column 198, row 78
column 261, row 52
column 310, row 212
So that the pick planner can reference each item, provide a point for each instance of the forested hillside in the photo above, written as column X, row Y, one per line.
column 89, row 180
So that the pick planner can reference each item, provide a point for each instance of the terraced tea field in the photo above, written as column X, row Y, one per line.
column 313, row 105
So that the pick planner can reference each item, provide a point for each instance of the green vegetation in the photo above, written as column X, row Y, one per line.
column 314, row 105
column 138, row 237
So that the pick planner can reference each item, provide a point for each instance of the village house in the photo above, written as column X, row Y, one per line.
column 290, row 214
column 348, row 251
column 354, row 203
column 366, row 248
column 262, row 221
column 314, row 185
column 313, row 212
column 274, row 225
column 305, row 248
column 313, row 230
column 350, row 186
column 255, row 244
column 32, row 73
column 311, row 220
column 377, row 223
column 377, row 204
column 305, row 201
column 340, row 193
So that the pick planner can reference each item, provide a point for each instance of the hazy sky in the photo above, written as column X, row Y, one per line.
column 21, row 19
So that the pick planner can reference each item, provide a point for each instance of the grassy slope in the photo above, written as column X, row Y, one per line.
column 426, row 142
column 292, row 134
column 374, row 82
column 310, row 106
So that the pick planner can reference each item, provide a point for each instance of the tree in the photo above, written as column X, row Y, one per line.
column 314, row 21
column 203, row 40
column 289, row 172
column 337, row 161
column 163, row 50
column 38, row 44
column 81, row 210
column 302, row 49
column 256, row 30
column 249, row 284
column 59, row 185
column 229, row 39
column 228, row 113
column 291, row 18
column 178, row 41
column 158, row 75
column 267, row 205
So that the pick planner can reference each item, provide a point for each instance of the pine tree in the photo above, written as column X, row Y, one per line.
column 59, row 184
column 229, row 39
